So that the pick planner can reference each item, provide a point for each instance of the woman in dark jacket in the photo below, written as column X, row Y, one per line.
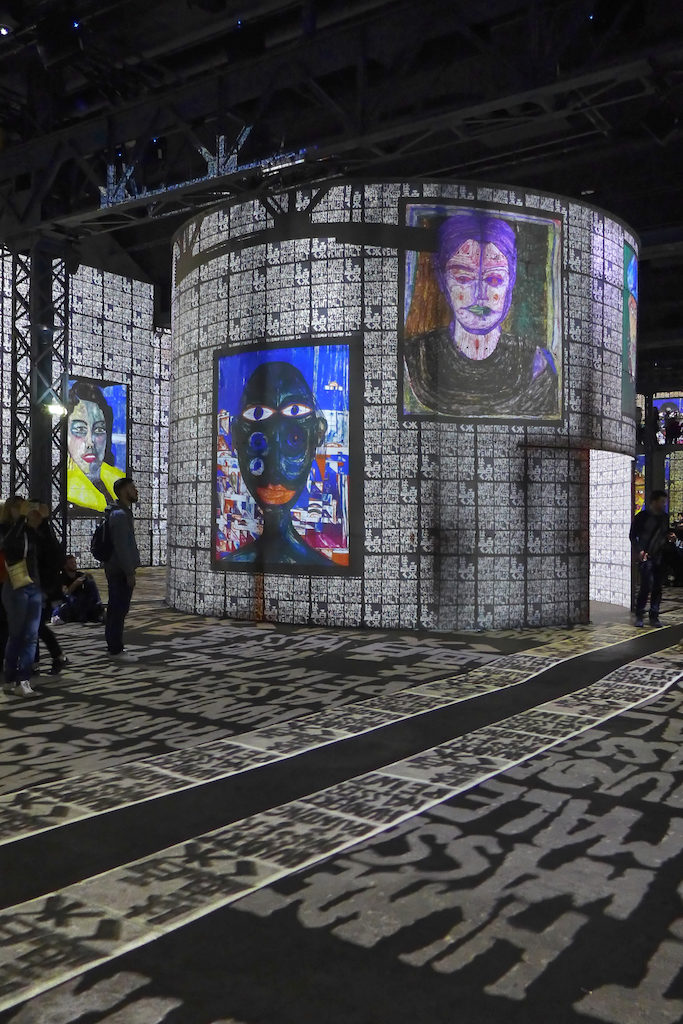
column 23, row 604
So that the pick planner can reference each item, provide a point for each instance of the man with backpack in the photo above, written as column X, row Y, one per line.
column 121, row 561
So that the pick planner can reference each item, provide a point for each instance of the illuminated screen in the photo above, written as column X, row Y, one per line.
column 669, row 418
column 283, row 459
column 97, row 442
column 481, row 318
column 639, row 483
column 630, row 333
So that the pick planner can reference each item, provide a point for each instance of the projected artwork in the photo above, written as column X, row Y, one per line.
column 97, row 442
column 639, row 483
column 481, row 314
column 630, row 332
column 283, row 459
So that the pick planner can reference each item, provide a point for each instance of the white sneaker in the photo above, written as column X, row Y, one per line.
column 124, row 656
column 56, row 621
column 24, row 689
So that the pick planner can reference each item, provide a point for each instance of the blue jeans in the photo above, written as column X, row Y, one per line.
column 650, row 586
column 117, row 609
column 24, row 608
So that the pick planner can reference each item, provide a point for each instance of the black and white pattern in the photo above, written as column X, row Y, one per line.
column 147, row 708
column 91, row 921
column 112, row 337
column 466, row 525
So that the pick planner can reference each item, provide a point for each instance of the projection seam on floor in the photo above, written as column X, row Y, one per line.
column 48, row 806
column 51, row 939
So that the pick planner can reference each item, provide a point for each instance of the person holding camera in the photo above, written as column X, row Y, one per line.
column 22, row 596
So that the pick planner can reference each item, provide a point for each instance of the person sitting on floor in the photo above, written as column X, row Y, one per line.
column 82, row 602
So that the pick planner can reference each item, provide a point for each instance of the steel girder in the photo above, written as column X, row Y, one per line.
column 40, row 333
column 423, row 115
column 20, row 426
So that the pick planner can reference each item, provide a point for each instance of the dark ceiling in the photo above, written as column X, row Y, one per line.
column 111, row 112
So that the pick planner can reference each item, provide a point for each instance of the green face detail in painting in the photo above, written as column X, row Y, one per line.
column 276, row 434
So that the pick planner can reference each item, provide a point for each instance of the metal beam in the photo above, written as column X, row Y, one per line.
column 589, row 92
column 20, row 410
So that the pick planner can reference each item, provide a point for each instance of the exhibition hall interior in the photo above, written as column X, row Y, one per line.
column 341, row 512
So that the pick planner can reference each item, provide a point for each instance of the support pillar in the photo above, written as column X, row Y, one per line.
column 655, row 454
column 20, row 412
column 42, row 328
column 40, row 318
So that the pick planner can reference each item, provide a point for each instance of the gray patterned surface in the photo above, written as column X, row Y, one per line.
column 104, row 916
column 427, row 850
column 465, row 525
column 179, row 697
column 611, row 511
column 112, row 338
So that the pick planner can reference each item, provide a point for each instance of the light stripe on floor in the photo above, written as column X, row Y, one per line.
column 47, row 806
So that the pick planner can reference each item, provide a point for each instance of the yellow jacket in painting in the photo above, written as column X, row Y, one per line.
column 80, row 491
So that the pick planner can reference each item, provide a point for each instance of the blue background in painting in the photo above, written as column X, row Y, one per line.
column 668, row 403
column 321, row 365
column 117, row 397
column 332, row 365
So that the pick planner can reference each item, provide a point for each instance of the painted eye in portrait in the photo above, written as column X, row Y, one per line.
column 285, row 431
column 481, row 340
column 96, row 442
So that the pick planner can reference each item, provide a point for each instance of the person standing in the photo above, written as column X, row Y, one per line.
column 648, row 538
column 125, row 559
column 21, row 594
column 50, row 560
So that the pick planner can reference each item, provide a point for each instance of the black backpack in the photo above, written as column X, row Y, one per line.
column 101, row 546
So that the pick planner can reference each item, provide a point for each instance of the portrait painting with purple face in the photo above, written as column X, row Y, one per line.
column 481, row 324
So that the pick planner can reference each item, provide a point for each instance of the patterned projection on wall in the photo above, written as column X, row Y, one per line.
column 283, row 450
column 674, row 484
column 97, row 443
column 628, row 379
column 113, row 340
column 464, row 522
column 639, row 484
column 611, row 503
column 482, row 308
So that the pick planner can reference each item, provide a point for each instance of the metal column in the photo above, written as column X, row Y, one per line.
column 40, row 321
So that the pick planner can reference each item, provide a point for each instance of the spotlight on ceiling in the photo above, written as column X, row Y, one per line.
column 10, row 18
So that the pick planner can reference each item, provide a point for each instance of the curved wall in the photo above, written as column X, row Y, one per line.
column 463, row 496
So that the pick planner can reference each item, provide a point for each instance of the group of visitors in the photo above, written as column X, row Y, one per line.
column 41, row 587
column 661, row 426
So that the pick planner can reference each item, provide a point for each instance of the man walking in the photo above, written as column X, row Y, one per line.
column 125, row 559
column 648, row 538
